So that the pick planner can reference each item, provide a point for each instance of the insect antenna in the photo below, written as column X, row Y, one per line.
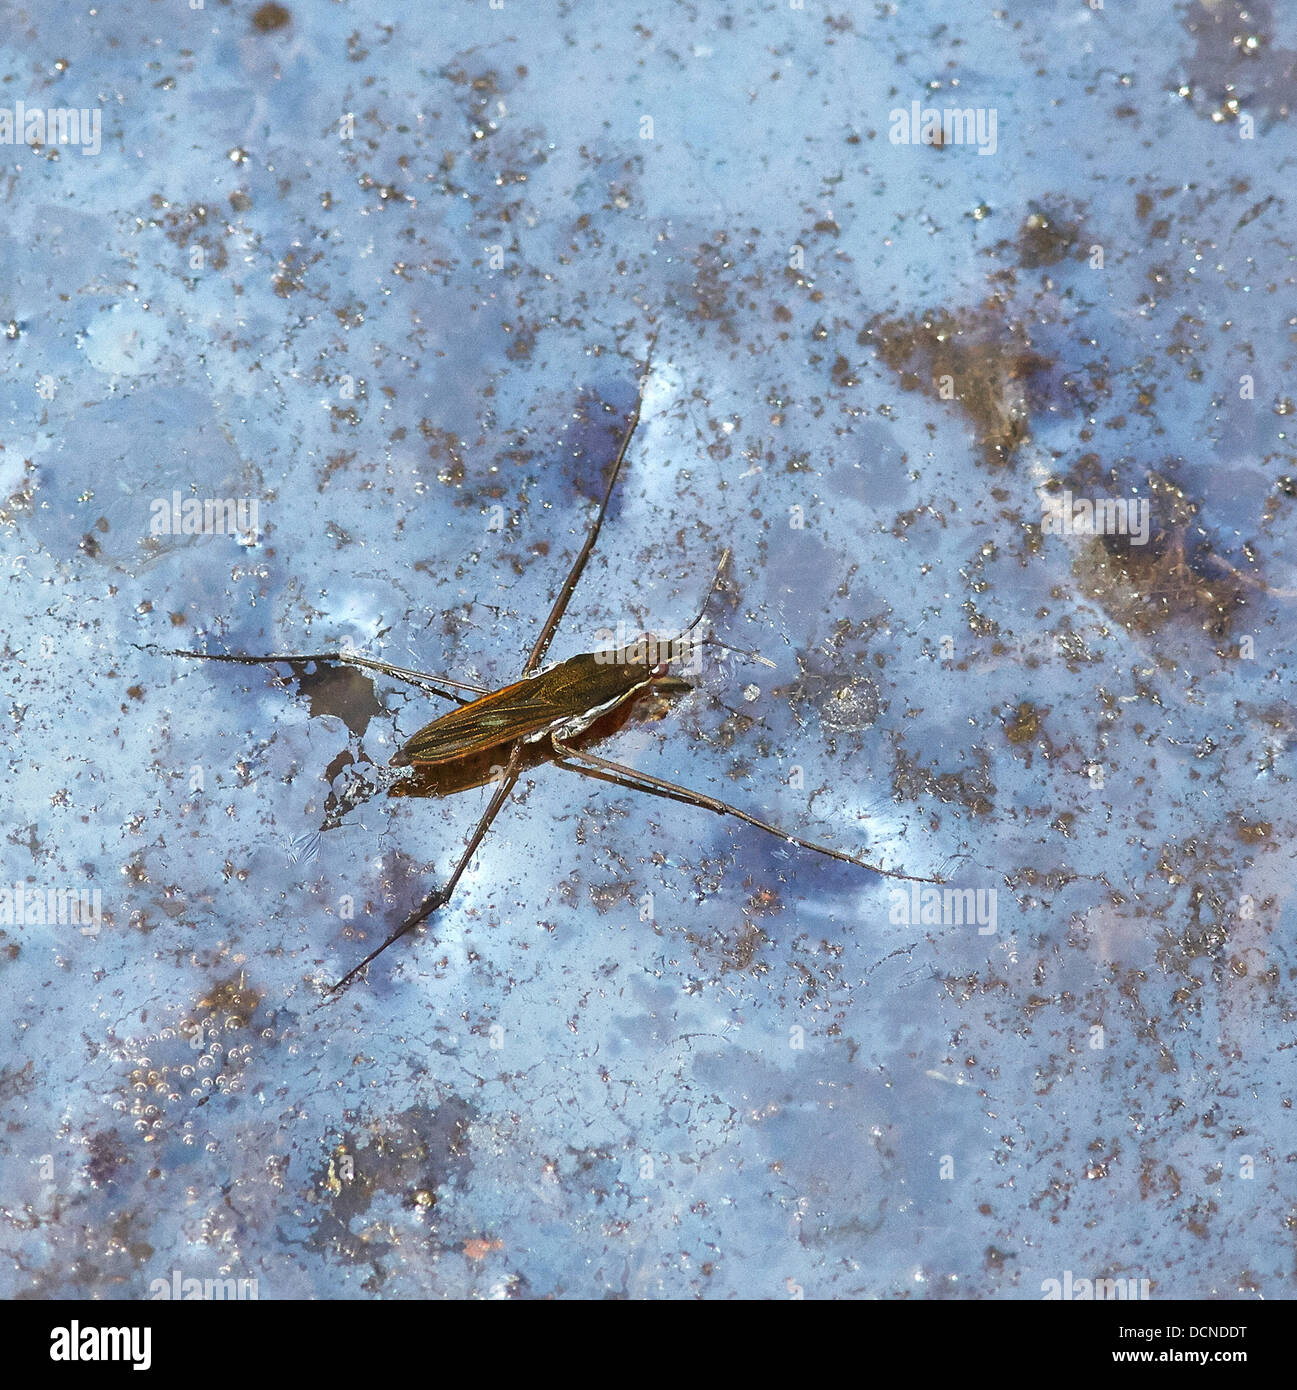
column 711, row 592
column 711, row 639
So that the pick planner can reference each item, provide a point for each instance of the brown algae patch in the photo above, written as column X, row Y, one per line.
column 412, row 1156
column 1176, row 576
column 1047, row 237
column 977, row 359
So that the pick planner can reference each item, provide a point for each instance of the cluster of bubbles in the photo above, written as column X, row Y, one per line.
column 202, row 1055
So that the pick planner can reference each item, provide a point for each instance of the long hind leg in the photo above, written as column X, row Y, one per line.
column 624, row 776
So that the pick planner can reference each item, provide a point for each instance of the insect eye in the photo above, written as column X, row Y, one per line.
column 661, row 669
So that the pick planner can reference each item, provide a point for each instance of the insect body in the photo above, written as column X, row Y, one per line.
column 559, row 703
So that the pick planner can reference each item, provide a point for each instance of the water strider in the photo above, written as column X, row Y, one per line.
column 556, row 705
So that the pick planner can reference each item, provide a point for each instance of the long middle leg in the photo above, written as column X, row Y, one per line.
column 592, row 535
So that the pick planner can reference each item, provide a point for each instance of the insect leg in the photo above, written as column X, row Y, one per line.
column 643, row 781
column 403, row 673
column 578, row 565
column 441, row 896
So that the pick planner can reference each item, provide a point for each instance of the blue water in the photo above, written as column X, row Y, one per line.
column 391, row 278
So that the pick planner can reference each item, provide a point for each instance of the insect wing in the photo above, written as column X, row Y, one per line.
column 523, row 710
column 511, row 713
